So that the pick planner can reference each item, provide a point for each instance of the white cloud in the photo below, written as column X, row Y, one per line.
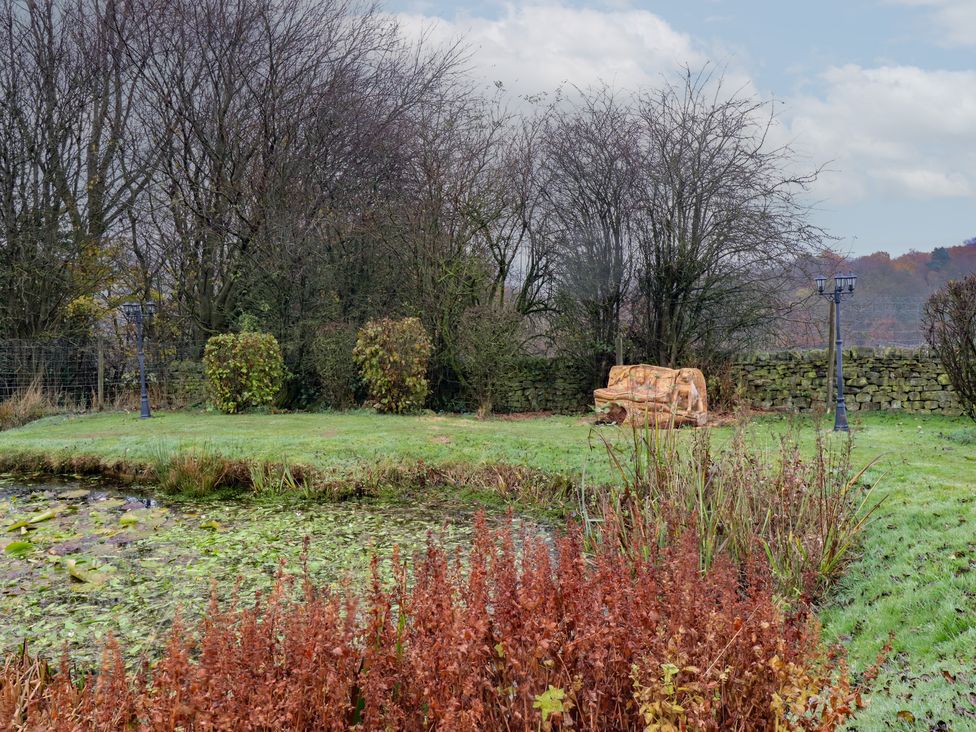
column 537, row 47
column 918, row 182
column 891, row 131
column 954, row 20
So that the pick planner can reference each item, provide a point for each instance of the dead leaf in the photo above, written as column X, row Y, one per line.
column 83, row 575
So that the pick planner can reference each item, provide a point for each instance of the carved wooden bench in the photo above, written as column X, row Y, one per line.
column 656, row 395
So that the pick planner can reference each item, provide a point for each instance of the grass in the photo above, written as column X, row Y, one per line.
column 333, row 442
column 915, row 577
column 24, row 406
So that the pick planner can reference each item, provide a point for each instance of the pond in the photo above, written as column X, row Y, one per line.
column 81, row 560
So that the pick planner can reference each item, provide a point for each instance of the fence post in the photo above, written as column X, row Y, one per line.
column 101, row 374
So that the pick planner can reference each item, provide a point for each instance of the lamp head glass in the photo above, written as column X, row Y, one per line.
column 131, row 310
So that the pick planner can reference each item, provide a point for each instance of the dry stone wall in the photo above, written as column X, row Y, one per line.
column 550, row 385
column 911, row 380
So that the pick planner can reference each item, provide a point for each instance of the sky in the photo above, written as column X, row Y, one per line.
column 880, row 92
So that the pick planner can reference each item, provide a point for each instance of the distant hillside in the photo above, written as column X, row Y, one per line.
column 915, row 272
column 886, row 308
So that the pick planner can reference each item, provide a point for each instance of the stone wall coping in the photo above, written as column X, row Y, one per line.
column 814, row 354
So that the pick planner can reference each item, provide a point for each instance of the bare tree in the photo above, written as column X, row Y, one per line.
column 69, row 166
column 224, row 82
column 592, row 169
column 519, row 244
column 282, row 127
column 720, row 222
column 949, row 323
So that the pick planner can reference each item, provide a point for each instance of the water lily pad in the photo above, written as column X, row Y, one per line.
column 107, row 504
column 35, row 519
column 79, row 493
column 18, row 548
column 79, row 574
column 213, row 525
column 148, row 517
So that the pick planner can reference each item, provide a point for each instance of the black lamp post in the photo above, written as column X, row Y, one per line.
column 138, row 313
column 843, row 287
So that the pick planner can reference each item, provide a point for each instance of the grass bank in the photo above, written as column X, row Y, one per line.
column 915, row 577
column 331, row 442
column 334, row 455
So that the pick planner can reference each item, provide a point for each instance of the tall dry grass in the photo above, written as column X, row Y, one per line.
column 805, row 513
column 195, row 472
column 25, row 406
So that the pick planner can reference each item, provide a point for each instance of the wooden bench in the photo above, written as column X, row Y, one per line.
column 656, row 395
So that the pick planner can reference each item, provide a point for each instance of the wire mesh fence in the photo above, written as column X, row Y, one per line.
column 86, row 373
column 883, row 321
column 874, row 321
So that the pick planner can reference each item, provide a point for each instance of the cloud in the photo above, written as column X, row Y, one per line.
column 537, row 47
column 918, row 182
column 954, row 20
column 896, row 131
column 890, row 132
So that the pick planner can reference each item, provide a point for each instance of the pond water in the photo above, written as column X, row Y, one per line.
column 80, row 560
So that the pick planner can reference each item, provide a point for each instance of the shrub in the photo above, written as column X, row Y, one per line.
column 393, row 356
column 335, row 366
column 244, row 370
column 488, row 347
column 535, row 637
column 949, row 322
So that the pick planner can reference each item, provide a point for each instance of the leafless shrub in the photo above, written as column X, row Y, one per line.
column 949, row 322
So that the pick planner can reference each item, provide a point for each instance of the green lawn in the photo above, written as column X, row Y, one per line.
column 330, row 441
column 915, row 578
